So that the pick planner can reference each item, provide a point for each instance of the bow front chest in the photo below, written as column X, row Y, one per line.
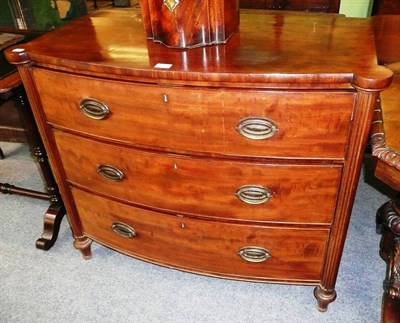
column 238, row 160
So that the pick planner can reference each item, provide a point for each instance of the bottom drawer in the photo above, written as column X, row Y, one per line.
column 215, row 248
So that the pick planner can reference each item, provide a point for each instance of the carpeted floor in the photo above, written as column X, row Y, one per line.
column 59, row 286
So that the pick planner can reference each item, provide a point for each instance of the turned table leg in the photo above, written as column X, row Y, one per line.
column 388, row 220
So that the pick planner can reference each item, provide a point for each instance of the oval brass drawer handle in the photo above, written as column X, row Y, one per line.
column 257, row 128
column 110, row 172
column 123, row 230
column 254, row 254
column 253, row 194
column 94, row 109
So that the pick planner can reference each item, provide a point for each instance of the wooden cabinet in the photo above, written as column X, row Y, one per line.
column 238, row 160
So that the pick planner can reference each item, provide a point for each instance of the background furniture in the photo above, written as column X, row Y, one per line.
column 386, row 148
column 295, row 5
column 11, row 128
column 237, row 161
column 97, row 7
column 11, row 89
column 386, row 7
column 39, row 14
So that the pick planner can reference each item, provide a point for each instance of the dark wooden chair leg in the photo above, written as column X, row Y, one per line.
column 1, row 154
column 388, row 220
column 51, row 226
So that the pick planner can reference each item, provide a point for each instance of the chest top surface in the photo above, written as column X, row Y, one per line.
column 282, row 47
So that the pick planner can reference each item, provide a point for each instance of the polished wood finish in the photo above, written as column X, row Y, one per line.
column 186, row 24
column 295, row 5
column 386, row 150
column 153, row 158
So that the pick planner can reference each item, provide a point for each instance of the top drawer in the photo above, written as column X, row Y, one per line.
column 189, row 119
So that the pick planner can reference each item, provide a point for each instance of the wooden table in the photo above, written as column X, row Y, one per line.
column 11, row 88
column 385, row 139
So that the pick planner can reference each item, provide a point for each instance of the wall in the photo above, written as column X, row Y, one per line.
column 356, row 8
column 6, row 19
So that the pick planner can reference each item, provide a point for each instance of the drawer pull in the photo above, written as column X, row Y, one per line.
column 123, row 230
column 110, row 172
column 253, row 194
column 254, row 254
column 94, row 109
column 257, row 128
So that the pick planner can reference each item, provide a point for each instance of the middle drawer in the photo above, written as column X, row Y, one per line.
column 228, row 189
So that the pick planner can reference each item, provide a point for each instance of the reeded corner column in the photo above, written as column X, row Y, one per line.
column 368, row 87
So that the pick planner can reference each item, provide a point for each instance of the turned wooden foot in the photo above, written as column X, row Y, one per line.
column 324, row 297
column 388, row 220
column 51, row 226
column 83, row 245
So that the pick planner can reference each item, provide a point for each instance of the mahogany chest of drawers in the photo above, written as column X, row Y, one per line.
column 238, row 160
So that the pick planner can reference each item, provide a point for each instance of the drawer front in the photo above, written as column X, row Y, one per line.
column 267, row 253
column 219, row 121
column 215, row 188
